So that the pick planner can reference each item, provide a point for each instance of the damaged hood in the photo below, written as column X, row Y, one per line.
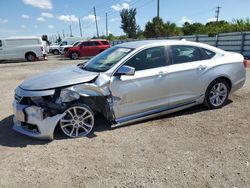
column 58, row 78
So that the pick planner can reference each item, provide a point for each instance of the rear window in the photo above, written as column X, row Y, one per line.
column 93, row 43
column 90, row 43
column 16, row 42
column 185, row 54
column 209, row 54
column 105, row 42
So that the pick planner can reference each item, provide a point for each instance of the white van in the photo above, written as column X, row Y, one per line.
column 13, row 48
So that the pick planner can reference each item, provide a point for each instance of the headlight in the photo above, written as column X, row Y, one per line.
column 67, row 95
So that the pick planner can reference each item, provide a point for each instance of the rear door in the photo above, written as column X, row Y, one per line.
column 94, row 48
column 84, row 49
column 187, row 75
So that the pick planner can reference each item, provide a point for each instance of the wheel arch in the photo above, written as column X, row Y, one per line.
column 30, row 52
column 225, row 78
column 99, row 104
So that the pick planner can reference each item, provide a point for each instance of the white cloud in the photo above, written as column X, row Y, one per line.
column 120, row 6
column 42, row 4
column 25, row 16
column 185, row 19
column 211, row 20
column 90, row 18
column 35, row 26
column 114, row 19
column 40, row 19
column 47, row 15
column 68, row 18
column 51, row 27
column 2, row 21
column 23, row 26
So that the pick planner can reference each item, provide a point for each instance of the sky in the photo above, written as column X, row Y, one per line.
column 53, row 17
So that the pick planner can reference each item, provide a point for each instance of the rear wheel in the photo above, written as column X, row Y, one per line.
column 217, row 94
column 55, row 52
column 30, row 56
column 74, row 55
column 78, row 121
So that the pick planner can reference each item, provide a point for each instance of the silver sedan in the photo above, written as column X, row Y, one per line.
column 127, row 83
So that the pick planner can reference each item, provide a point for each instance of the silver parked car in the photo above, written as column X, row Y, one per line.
column 127, row 83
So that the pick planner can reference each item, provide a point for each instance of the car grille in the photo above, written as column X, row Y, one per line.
column 18, row 98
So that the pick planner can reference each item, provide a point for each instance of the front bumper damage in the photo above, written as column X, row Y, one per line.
column 30, row 121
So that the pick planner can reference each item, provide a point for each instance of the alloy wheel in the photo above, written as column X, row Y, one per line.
column 78, row 121
column 218, row 94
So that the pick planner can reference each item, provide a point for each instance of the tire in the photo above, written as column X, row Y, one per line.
column 55, row 52
column 78, row 121
column 30, row 56
column 217, row 94
column 74, row 55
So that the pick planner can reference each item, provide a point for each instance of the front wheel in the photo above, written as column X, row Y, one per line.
column 78, row 121
column 217, row 94
column 30, row 57
column 55, row 52
column 74, row 55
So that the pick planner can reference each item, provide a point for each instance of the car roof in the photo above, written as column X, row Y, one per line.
column 157, row 42
column 21, row 37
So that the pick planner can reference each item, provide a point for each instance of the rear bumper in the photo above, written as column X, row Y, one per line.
column 26, row 116
column 237, row 85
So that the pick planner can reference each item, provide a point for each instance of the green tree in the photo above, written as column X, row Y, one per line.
column 128, row 22
column 59, row 39
column 139, row 33
column 157, row 28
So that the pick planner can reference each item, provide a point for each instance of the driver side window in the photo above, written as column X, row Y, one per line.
column 148, row 59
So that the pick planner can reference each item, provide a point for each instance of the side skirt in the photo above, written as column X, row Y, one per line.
column 152, row 114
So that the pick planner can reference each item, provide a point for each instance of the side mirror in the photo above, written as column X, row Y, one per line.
column 125, row 70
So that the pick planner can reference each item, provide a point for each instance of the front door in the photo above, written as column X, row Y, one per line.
column 147, row 89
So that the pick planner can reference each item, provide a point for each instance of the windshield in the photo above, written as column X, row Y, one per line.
column 107, row 59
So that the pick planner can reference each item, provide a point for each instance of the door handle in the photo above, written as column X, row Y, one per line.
column 162, row 73
column 201, row 67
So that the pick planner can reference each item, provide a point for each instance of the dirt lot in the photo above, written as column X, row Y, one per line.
column 192, row 148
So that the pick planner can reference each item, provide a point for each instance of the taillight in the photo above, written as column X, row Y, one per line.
column 245, row 63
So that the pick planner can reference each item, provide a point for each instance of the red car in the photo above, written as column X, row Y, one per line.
column 86, row 48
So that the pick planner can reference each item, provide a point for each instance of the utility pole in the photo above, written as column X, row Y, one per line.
column 217, row 13
column 107, row 32
column 63, row 33
column 97, row 32
column 158, row 8
column 70, row 30
column 80, row 26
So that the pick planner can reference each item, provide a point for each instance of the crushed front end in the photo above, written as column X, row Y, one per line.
column 35, row 114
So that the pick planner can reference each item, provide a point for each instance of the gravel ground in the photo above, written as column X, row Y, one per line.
column 192, row 148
